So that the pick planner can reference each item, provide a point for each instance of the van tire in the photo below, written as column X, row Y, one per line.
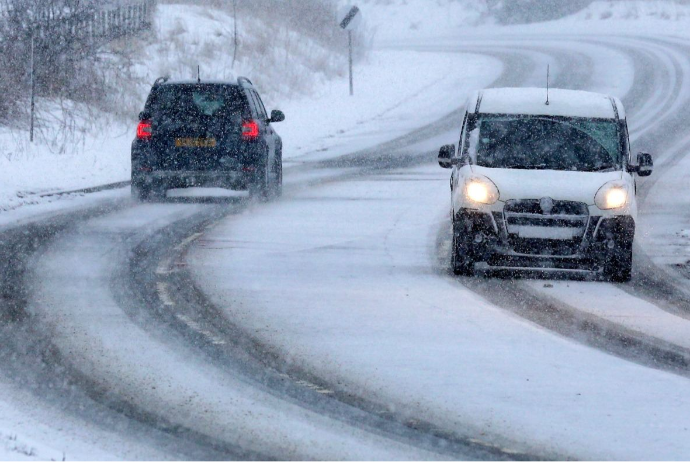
column 460, row 262
column 618, row 267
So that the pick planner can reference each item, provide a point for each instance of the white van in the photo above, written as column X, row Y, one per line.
column 544, row 182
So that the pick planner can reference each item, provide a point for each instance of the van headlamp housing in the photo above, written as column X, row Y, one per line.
column 481, row 190
column 613, row 195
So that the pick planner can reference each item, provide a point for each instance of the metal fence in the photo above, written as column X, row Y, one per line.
column 101, row 25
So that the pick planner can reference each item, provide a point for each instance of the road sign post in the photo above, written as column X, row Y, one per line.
column 351, row 60
column 33, row 88
column 351, row 18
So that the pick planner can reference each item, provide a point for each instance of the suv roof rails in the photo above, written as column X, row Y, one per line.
column 241, row 80
column 160, row 80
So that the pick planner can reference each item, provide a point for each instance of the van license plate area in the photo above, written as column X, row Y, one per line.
column 546, row 232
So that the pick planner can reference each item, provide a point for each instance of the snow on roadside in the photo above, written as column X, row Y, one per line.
column 29, row 172
column 13, row 448
column 30, row 430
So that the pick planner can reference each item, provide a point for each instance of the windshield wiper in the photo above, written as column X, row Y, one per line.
column 602, row 168
column 528, row 167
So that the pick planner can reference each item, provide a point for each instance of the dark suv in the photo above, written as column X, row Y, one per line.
column 209, row 134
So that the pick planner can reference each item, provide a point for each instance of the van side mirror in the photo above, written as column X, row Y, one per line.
column 445, row 156
column 645, row 164
column 276, row 116
column 144, row 115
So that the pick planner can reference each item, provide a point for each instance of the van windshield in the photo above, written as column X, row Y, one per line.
column 539, row 143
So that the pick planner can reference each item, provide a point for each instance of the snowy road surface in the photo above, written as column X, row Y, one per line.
column 326, row 324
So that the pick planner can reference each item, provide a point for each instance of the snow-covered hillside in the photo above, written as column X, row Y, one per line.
column 392, row 19
column 190, row 35
column 629, row 10
column 322, row 119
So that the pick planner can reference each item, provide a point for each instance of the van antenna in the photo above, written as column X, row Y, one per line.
column 198, row 74
column 548, row 71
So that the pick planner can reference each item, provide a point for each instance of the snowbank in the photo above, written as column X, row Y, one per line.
column 29, row 172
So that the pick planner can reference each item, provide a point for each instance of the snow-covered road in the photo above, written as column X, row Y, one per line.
column 347, row 284
column 325, row 325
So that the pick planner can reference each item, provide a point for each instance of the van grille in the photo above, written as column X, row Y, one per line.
column 534, row 229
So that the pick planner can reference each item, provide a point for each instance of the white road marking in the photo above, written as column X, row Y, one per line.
column 188, row 241
column 316, row 388
column 196, row 327
column 163, row 294
column 164, row 267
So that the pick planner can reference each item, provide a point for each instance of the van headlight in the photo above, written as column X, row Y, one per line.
column 481, row 190
column 611, row 196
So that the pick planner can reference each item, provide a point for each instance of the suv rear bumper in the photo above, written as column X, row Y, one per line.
column 169, row 179
column 487, row 241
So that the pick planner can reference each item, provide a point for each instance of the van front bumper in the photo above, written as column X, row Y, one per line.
column 486, row 238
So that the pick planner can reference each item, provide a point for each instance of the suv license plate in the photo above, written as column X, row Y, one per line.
column 195, row 142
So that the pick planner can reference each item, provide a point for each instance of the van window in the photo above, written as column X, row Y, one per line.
column 547, row 143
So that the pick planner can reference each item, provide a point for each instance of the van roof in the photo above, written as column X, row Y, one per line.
column 532, row 101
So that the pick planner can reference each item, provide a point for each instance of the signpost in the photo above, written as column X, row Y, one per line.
column 33, row 88
column 351, row 17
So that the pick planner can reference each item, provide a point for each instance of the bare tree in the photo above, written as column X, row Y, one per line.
column 73, row 71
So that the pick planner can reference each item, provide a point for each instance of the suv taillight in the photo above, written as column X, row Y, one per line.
column 250, row 130
column 144, row 130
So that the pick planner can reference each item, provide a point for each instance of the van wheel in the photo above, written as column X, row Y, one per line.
column 461, row 264
column 618, row 267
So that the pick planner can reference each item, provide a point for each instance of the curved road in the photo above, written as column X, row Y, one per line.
column 101, row 308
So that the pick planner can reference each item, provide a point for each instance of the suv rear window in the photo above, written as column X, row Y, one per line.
column 203, row 101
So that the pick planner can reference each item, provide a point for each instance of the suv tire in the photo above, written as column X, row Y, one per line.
column 278, row 175
column 260, row 185
column 141, row 193
column 148, row 193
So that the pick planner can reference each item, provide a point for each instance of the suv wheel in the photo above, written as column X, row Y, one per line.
column 278, row 177
column 148, row 193
column 260, row 185
column 618, row 267
column 141, row 193
column 461, row 264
